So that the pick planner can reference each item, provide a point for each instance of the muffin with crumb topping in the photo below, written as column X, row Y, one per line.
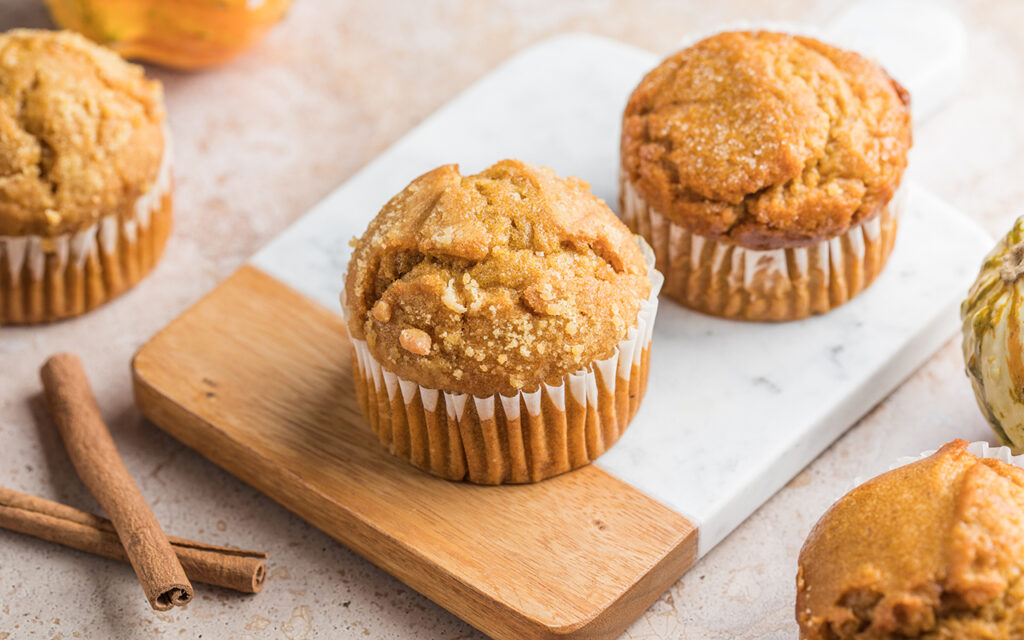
column 501, row 323
column 764, row 170
column 85, row 175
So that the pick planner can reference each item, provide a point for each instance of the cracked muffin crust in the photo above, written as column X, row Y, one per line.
column 494, row 282
column 500, row 323
column 766, row 140
column 85, row 177
column 932, row 550
column 80, row 133
column 763, row 169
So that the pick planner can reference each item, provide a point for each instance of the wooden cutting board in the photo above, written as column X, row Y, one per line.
column 256, row 376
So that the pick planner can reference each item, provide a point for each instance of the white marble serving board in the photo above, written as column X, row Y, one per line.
column 733, row 410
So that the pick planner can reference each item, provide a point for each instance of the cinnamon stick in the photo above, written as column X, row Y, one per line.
column 100, row 467
column 226, row 567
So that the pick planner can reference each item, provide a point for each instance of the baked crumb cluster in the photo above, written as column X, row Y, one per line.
column 80, row 133
column 766, row 139
column 494, row 282
column 933, row 550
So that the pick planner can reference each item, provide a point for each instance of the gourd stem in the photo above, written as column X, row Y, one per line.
column 1013, row 264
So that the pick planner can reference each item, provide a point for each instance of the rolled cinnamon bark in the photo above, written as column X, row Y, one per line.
column 226, row 567
column 100, row 467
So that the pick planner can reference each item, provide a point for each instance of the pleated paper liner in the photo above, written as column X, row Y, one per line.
column 518, row 439
column 745, row 284
column 978, row 448
column 43, row 279
column 47, row 279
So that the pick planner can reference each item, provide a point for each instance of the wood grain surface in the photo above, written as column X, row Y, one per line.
column 258, row 379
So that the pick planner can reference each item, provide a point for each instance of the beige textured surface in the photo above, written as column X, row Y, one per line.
column 259, row 142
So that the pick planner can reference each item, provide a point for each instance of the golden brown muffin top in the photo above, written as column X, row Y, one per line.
column 494, row 282
column 931, row 550
column 766, row 140
column 80, row 132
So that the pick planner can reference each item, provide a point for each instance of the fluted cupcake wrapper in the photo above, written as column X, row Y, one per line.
column 978, row 448
column 731, row 281
column 522, row 438
column 49, row 278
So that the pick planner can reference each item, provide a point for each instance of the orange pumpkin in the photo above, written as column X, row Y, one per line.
column 184, row 34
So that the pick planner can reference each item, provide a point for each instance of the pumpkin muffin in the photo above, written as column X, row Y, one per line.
column 85, row 183
column 763, row 168
column 501, row 323
column 932, row 550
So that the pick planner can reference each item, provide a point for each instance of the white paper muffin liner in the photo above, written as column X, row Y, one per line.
column 981, row 449
column 512, row 439
column 49, row 278
column 731, row 281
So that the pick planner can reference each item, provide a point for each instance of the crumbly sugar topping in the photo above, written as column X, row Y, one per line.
column 494, row 282
column 766, row 139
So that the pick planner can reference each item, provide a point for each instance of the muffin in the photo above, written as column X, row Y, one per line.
column 501, row 323
column 85, row 176
column 931, row 550
column 764, row 170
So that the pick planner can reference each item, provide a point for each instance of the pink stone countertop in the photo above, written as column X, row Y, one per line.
column 260, row 141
